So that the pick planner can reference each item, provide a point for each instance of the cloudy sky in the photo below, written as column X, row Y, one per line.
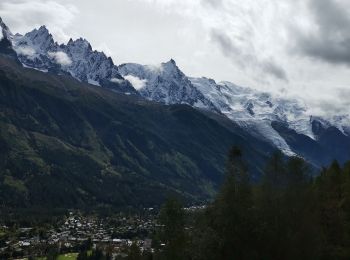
column 299, row 47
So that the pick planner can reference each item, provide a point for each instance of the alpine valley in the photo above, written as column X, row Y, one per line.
column 77, row 130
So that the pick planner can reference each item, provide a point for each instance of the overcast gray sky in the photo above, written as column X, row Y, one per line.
column 291, row 47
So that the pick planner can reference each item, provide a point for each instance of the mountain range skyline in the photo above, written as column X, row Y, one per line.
column 61, row 58
column 268, row 117
column 269, row 52
column 174, row 129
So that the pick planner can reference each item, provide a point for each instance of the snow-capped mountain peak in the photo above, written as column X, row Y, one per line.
column 5, row 31
column 171, row 65
column 166, row 84
column 6, row 38
column 79, row 43
column 42, row 31
column 38, row 40
column 38, row 50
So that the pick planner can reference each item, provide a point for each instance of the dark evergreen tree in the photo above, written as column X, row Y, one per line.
column 303, row 229
column 331, row 195
column 226, row 230
column 233, row 211
column 172, row 233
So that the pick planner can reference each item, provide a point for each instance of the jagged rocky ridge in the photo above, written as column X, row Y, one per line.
column 37, row 49
column 278, row 121
column 166, row 84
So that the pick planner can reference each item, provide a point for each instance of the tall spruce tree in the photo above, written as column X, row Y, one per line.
column 233, row 211
column 329, row 186
column 172, row 233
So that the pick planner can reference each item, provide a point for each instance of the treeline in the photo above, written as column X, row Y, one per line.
column 287, row 215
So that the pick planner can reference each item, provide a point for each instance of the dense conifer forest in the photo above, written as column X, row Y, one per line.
column 286, row 215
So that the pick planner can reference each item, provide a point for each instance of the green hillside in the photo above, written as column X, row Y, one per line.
column 68, row 144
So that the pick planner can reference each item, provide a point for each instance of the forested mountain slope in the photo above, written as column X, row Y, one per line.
column 69, row 144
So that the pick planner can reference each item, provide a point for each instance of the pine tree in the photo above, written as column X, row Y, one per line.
column 172, row 234
column 331, row 196
column 270, row 219
column 233, row 211
column 304, row 233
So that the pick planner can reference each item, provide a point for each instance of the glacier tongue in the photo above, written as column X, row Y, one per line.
column 251, row 110
column 255, row 111
column 262, row 129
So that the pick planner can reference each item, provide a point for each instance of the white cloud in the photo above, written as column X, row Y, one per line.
column 136, row 82
column 25, row 50
column 61, row 58
column 1, row 35
column 156, row 68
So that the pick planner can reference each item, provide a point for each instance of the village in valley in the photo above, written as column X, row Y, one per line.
column 76, row 232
